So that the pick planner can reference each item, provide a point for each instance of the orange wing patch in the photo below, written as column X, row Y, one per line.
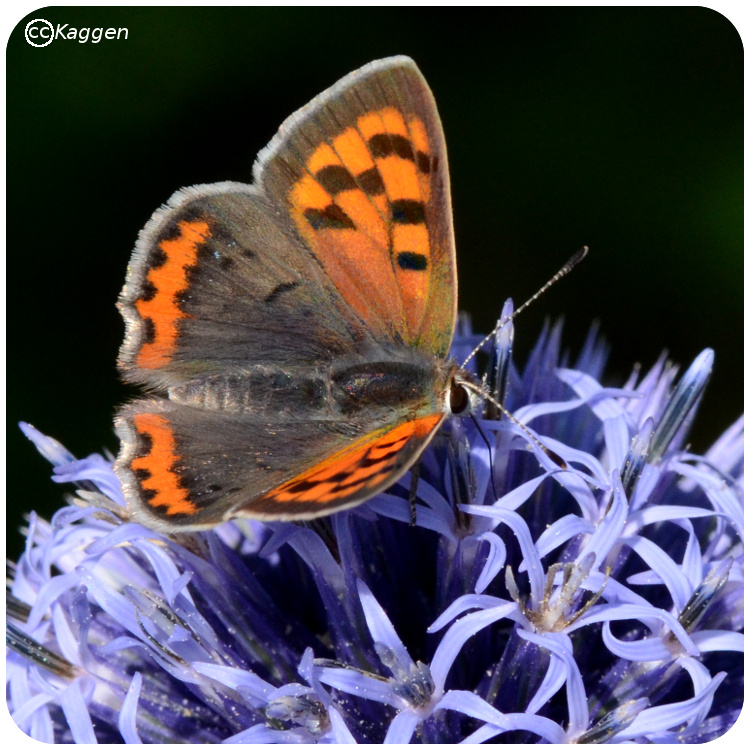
column 160, row 485
column 361, row 209
column 159, row 306
column 359, row 469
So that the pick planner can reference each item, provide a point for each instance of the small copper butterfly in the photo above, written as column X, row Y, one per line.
column 294, row 332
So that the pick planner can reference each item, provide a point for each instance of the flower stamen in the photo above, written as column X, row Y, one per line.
column 550, row 616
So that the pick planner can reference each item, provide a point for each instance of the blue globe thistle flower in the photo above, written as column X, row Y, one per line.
column 587, row 596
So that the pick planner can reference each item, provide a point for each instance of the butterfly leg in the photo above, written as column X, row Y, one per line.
column 413, row 491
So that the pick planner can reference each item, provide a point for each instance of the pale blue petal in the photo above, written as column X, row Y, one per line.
column 402, row 728
column 495, row 560
column 361, row 685
column 719, row 640
column 540, row 725
column 664, row 566
column 545, row 728
column 464, row 603
column 617, row 440
column 339, row 733
column 126, row 722
column 528, row 550
column 722, row 497
column 56, row 453
column 610, row 528
column 460, row 632
column 698, row 672
column 472, row 705
column 260, row 734
column 644, row 649
column 170, row 580
column 67, row 641
column 27, row 707
column 110, row 601
column 49, row 593
column 729, row 450
column 692, row 562
column 120, row 644
column 648, row 615
column 77, row 714
column 519, row 495
column 660, row 718
column 248, row 683
column 94, row 469
column 560, row 531
column 598, row 474
column 553, row 680
column 530, row 412
column 482, row 735
column 427, row 518
column 312, row 549
column 281, row 533
column 559, row 644
column 432, row 498
column 380, row 626
column 42, row 729
column 578, row 485
column 123, row 534
column 658, row 513
column 602, row 401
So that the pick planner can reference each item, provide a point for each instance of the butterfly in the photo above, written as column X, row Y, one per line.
column 294, row 332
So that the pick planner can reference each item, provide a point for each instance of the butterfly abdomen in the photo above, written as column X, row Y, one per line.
column 256, row 390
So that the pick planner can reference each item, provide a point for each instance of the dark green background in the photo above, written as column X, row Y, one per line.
column 616, row 128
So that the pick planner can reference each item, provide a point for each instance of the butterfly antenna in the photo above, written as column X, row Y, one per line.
column 564, row 271
column 558, row 460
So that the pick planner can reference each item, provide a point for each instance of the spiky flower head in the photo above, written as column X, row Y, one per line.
column 596, row 600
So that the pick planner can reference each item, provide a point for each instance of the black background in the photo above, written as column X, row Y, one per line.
column 620, row 128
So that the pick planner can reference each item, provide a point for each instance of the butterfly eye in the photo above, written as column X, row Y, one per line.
column 458, row 399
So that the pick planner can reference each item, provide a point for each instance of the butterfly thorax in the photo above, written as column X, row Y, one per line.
column 423, row 385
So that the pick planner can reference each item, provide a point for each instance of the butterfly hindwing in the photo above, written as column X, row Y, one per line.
column 185, row 468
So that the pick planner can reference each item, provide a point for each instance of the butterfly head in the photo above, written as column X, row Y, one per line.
column 464, row 394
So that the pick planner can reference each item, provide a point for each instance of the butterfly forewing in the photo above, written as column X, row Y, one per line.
column 363, row 171
column 216, row 282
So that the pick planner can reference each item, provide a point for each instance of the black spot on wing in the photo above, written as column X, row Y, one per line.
column 330, row 217
column 371, row 182
column 148, row 290
column 335, row 179
column 385, row 144
column 412, row 261
column 279, row 290
column 407, row 212
column 149, row 330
